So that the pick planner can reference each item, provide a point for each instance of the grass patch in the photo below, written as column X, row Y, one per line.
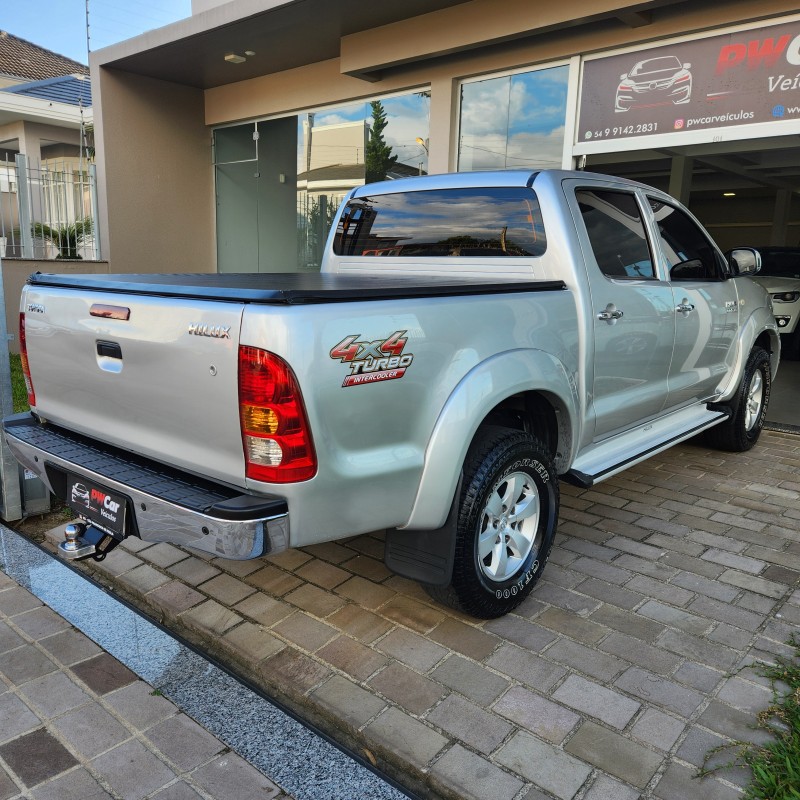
column 18, row 390
column 776, row 765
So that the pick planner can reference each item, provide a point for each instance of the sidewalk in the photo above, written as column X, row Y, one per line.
column 76, row 723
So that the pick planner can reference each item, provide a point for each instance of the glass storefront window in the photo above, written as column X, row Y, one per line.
column 514, row 121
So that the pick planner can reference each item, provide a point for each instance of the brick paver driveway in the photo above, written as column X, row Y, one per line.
column 626, row 665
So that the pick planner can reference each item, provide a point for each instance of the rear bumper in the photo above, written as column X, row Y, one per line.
column 165, row 505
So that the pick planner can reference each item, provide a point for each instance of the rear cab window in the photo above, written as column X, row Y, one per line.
column 496, row 222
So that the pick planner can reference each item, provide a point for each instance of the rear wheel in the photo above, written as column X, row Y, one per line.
column 741, row 431
column 508, row 511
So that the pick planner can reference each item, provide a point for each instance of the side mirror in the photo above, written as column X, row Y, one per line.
column 623, row 76
column 687, row 65
column 744, row 260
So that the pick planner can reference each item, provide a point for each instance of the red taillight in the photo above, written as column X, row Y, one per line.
column 23, row 357
column 275, row 433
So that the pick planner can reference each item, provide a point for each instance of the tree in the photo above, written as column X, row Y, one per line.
column 379, row 159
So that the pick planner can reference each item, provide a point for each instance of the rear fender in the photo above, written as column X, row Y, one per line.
column 482, row 389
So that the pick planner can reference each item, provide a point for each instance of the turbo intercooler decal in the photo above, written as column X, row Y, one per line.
column 370, row 362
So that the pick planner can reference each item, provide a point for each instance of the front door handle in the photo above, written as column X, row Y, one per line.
column 684, row 307
column 611, row 314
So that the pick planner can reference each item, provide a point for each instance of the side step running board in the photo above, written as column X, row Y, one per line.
column 591, row 470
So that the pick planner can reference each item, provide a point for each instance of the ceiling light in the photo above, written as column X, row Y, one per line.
column 249, row 52
column 729, row 194
column 233, row 58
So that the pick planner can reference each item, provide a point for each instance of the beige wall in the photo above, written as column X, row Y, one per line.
column 16, row 272
column 156, row 175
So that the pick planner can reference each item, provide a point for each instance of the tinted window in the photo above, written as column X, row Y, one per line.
column 616, row 233
column 780, row 262
column 687, row 250
column 494, row 222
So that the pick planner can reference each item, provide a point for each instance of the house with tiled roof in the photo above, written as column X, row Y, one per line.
column 22, row 61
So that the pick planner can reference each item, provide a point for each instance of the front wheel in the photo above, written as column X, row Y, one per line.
column 741, row 431
column 507, row 516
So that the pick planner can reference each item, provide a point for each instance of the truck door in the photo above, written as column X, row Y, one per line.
column 633, row 317
column 706, row 305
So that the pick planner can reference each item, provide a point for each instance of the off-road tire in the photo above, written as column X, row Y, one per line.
column 509, row 472
column 741, row 431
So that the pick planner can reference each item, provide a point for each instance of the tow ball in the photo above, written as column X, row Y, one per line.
column 85, row 541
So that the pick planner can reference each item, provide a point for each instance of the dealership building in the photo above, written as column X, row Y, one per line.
column 227, row 139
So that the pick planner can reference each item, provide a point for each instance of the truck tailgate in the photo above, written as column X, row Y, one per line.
column 158, row 376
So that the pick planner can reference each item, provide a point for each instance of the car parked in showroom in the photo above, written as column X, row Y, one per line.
column 780, row 276
column 654, row 81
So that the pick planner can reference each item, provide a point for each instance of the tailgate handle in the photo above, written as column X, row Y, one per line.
column 109, row 350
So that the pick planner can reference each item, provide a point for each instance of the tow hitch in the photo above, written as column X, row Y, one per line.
column 85, row 541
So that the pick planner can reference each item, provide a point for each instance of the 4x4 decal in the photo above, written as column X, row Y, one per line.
column 380, row 360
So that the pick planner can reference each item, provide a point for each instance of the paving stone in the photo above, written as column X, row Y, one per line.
column 690, row 623
column 590, row 698
column 697, row 676
column 103, row 674
column 584, row 659
column 679, row 782
column 140, row 705
column 469, row 723
column 548, row 767
column 210, row 617
column 725, row 612
column 730, row 637
column 90, row 730
column 742, row 563
column 315, row 600
column 606, row 788
column 70, row 646
column 586, row 631
column 397, row 732
column 53, row 694
column 704, row 586
column 264, row 609
column 657, row 729
column 40, row 622
column 780, row 574
column 164, row 555
column 601, row 570
column 755, row 602
column 143, row 579
column 25, row 664
column 370, row 568
column 465, row 639
column 374, row 595
column 308, row 633
column 732, row 723
column 77, row 784
column 352, row 657
column 175, row 597
column 534, row 713
column 184, row 742
column 718, row 544
column 117, row 563
column 359, row 623
column 644, row 655
column 752, row 583
column 610, row 593
column 566, row 599
column 408, row 689
column 322, row 574
column 132, row 771
column 665, row 542
column 193, row 571
column 658, row 590
column 695, row 748
column 348, row 701
column 558, row 576
column 230, row 776
column 290, row 668
column 15, row 717
column 37, row 757
column 290, row 559
column 526, row 667
column 526, row 634
column 614, row 754
column 177, row 791
column 472, row 680
column 415, row 615
column 9, row 639
column 655, row 689
column 745, row 695
column 646, row 568
column 7, row 786
column 252, row 641
column 274, row 581
column 226, row 589
column 412, row 649
column 699, row 649
column 632, row 624
column 330, row 551
column 473, row 776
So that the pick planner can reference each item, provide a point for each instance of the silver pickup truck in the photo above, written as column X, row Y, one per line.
column 471, row 340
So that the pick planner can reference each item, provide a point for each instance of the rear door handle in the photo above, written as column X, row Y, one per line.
column 684, row 307
column 610, row 314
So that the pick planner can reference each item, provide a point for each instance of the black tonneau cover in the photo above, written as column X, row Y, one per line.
column 288, row 288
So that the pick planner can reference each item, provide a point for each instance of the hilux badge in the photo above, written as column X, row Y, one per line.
column 214, row 331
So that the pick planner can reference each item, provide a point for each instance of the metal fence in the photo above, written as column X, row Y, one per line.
column 48, row 210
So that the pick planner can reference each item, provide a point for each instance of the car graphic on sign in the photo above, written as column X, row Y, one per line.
column 654, row 81
column 80, row 494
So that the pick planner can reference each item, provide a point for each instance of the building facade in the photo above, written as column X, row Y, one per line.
column 254, row 117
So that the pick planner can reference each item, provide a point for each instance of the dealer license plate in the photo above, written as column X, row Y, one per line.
column 101, row 507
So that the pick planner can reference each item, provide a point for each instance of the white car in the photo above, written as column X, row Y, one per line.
column 780, row 276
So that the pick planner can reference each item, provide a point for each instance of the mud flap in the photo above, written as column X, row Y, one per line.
column 425, row 555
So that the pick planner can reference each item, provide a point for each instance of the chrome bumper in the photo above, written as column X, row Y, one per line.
column 210, row 517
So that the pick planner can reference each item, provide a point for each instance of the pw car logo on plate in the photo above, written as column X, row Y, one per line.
column 369, row 362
